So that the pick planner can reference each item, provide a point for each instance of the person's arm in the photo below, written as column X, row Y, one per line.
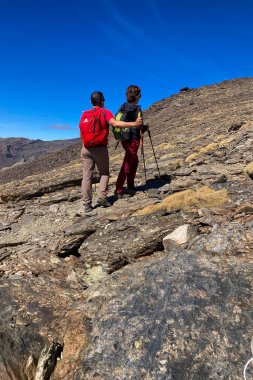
column 125, row 124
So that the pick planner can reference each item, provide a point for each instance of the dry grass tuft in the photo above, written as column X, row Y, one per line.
column 202, row 150
column 189, row 199
column 208, row 148
column 169, row 155
column 191, row 157
column 165, row 146
column 249, row 170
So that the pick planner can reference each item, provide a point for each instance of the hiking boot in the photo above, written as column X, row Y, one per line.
column 123, row 195
column 103, row 202
column 131, row 191
column 87, row 209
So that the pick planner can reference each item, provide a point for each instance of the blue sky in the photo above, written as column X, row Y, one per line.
column 55, row 53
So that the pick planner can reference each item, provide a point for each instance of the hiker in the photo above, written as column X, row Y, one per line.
column 94, row 129
column 130, row 142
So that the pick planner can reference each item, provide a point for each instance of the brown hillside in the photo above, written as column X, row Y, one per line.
column 190, row 122
column 158, row 286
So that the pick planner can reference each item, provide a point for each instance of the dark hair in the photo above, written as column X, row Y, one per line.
column 97, row 98
column 132, row 93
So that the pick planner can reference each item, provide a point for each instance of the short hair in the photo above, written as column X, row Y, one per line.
column 132, row 93
column 97, row 98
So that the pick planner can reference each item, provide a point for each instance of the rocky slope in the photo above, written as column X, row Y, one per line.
column 106, row 296
column 19, row 150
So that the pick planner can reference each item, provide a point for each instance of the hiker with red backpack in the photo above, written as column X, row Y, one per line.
column 130, row 139
column 94, row 129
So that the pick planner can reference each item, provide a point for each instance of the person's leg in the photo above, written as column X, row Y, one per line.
column 133, row 149
column 124, row 168
column 88, row 166
column 101, row 158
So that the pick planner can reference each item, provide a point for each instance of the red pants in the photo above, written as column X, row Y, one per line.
column 129, row 165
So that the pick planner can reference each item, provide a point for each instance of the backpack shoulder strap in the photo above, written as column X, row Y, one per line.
column 99, row 111
column 120, row 115
column 104, row 115
column 139, row 111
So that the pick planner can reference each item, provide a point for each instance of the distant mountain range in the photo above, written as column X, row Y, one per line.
column 14, row 151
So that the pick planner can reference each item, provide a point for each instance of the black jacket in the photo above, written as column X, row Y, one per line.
column 131, row 111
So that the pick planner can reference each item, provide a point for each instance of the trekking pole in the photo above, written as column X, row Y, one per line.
column 149, row 134
column 143, row 157
column 142, row 150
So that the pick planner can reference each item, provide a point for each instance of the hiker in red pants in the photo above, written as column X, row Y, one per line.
column 130, row 141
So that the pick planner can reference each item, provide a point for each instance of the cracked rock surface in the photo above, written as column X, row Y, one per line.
column 99, row 297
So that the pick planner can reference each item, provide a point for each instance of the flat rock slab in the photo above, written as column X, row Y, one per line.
column 188, row 316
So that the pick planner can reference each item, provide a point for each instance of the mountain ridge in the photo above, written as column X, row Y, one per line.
column 192, row 100
column 15, row 150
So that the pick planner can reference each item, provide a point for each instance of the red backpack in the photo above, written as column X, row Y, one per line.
column 94, row 127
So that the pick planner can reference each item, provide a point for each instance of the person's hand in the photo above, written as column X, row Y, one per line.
column 138, row 121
